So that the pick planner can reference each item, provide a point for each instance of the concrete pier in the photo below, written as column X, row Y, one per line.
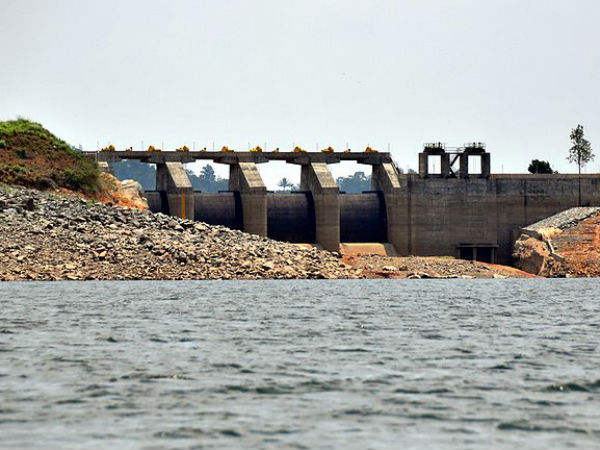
column 245, row 179
column 384, row 178
column 172, row 180
column 316, row 178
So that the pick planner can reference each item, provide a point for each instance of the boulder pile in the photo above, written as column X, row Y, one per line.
column 44, row 236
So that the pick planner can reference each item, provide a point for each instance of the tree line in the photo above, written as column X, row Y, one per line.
column 208, row 181
column 145, row 174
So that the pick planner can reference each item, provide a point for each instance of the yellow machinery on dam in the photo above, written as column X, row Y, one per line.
column 454, row 206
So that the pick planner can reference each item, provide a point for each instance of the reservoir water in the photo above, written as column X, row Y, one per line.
column 345, row 364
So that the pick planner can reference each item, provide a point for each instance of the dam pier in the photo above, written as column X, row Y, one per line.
column 454, row 206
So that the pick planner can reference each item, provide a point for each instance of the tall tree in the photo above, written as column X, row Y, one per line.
column 538, row 166
column 581, row 151
column 207, row 181
column 284, row 183
column 207, row 173
column 355, row 183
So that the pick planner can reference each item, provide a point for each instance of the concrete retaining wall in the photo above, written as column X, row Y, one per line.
column 219, row 209
column 441, row 214
column 291, row 217
column 363, row 217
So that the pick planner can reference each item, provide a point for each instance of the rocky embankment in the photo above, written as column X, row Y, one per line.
column 426, row 267
column 564, row 245
column 53, row 236
column 44, row 236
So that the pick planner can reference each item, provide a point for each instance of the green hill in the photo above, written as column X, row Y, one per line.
column 32, row 156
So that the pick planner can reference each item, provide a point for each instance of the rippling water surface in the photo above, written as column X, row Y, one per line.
column 451, row 364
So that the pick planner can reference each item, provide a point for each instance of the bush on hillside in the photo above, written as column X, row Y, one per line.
column 32, row 156
column 82, row 179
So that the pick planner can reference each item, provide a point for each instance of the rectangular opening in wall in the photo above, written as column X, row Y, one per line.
column 351, row 177
column 475, row 164
column 466, row 253
column 208, row 177
column 479, row 252
column 434, row 164
column 280, row 177
column 484, row 254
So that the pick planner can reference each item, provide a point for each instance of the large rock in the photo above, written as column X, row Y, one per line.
column 128, row 193
column 133, row 192
column 531, row 255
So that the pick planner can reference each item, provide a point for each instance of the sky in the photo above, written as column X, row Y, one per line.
column 515, row 74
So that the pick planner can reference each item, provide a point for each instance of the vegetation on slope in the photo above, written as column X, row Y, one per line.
column 32, row 156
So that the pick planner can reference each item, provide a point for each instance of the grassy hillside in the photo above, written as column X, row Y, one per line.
column 32, row 156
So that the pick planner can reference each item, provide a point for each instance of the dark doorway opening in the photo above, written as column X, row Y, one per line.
column 477, row 252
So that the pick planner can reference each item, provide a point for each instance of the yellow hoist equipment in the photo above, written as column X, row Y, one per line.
column 185, row 148
column 299, row 150
column 226, row 149
column 153, row 149
column 370, row 150
column 328, row 150
column 256, row 149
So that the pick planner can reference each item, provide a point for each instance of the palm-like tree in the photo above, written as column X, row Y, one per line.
column 284, row 183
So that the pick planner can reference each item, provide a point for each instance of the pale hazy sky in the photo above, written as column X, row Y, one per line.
column 515, row 74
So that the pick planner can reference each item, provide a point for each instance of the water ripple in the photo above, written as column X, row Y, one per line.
column 349, row 364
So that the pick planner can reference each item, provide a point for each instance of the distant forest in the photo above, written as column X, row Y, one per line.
column 358, row 182
column 145, row 174
column 208, row 182
column 355, row 183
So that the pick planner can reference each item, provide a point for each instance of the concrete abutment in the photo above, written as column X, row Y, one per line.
column 316, row 178
column 172, row 179
column 245, row 179
column 384, row 178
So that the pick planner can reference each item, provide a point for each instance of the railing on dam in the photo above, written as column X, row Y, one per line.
column 156, row 157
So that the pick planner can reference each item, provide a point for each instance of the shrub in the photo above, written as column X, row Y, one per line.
column 2, row 143
column 83, row 178
column 13, row 169
column 538, row 166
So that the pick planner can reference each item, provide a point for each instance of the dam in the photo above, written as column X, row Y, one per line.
column 454, row 206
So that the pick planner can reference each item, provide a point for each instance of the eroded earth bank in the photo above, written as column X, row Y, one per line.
column 564, row 245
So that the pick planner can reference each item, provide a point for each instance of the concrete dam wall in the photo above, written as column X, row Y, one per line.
column 290, row 216
column 454, row 216
column 452, row 212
